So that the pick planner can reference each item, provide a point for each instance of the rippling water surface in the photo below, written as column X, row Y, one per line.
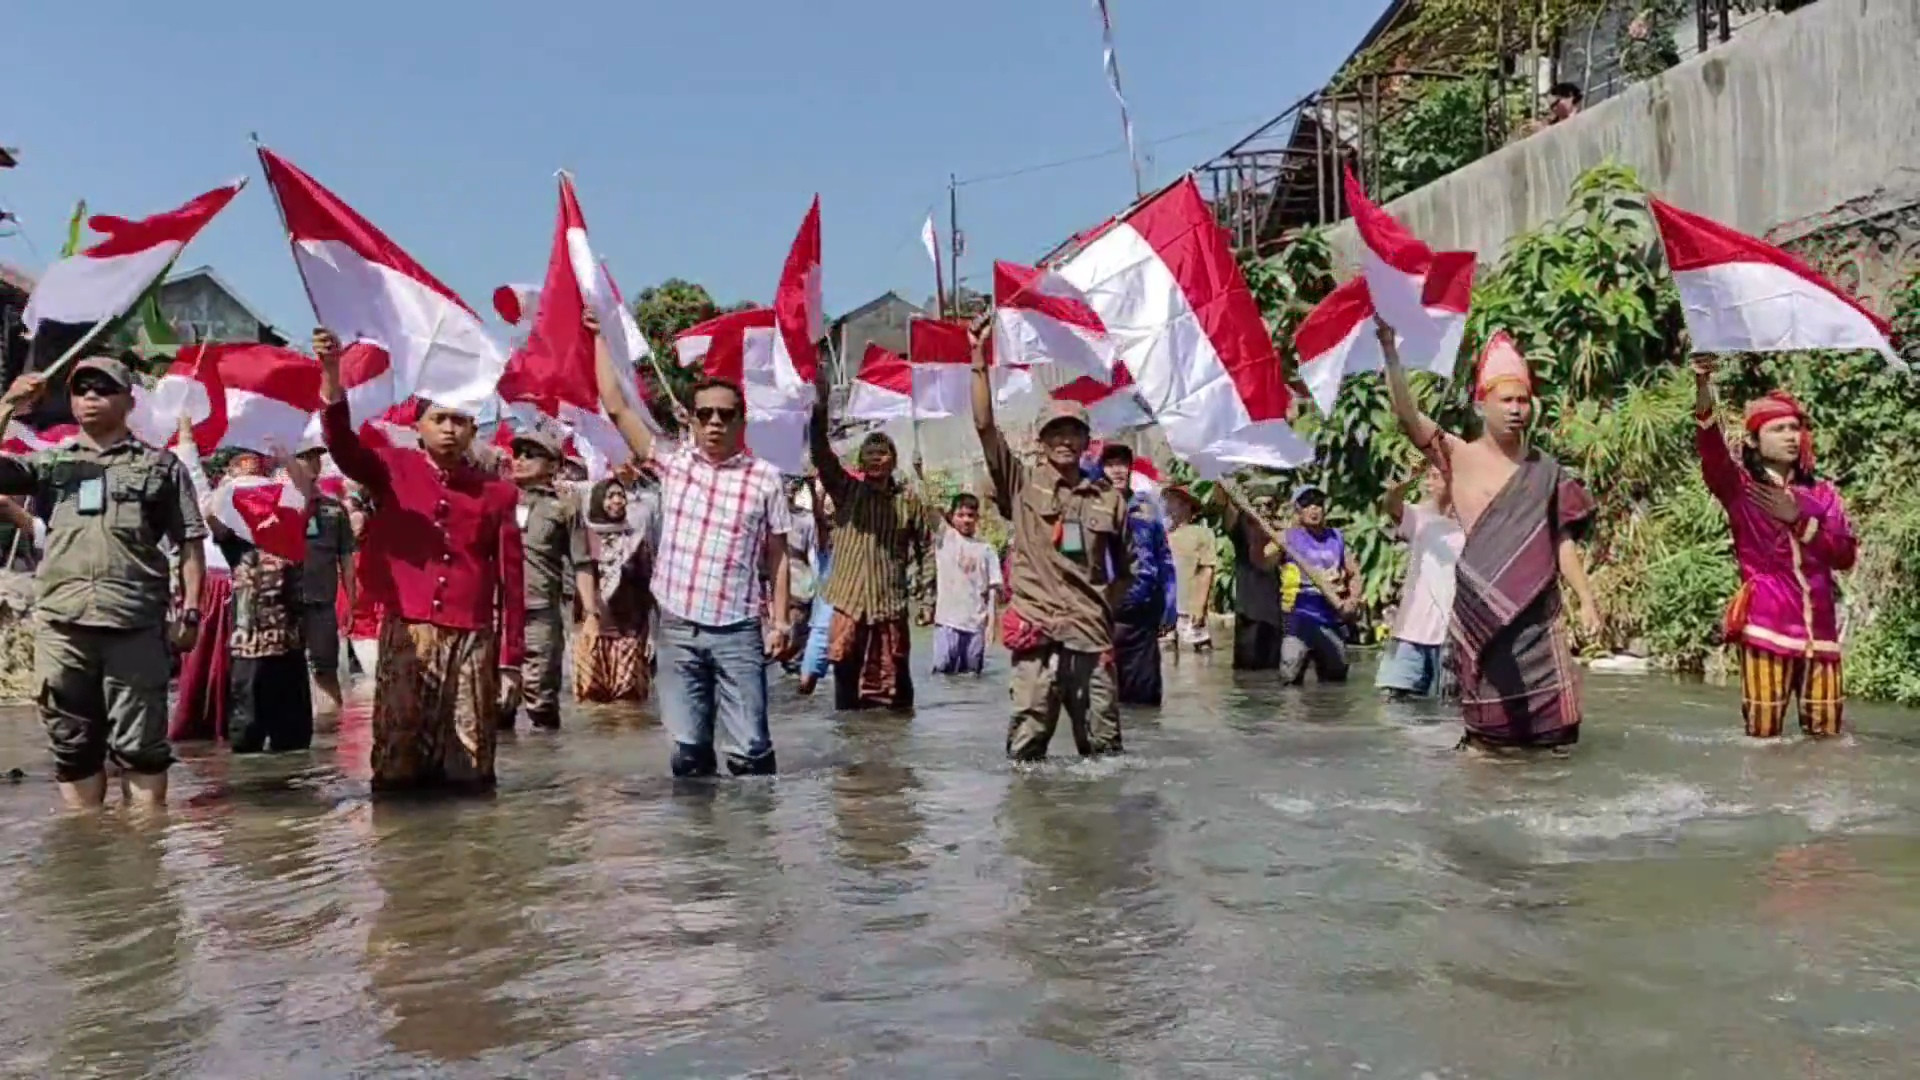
column 1272, row 883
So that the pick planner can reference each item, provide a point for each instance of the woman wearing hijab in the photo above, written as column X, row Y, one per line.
column 612, row 665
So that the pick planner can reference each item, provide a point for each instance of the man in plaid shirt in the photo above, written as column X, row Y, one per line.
column 724, row 518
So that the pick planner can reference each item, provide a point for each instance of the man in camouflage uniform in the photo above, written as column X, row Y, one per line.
column 100, row 659
column 555, row 539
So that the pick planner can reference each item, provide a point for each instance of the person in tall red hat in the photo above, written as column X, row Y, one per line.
column 1791, row 537
column 1524, row 517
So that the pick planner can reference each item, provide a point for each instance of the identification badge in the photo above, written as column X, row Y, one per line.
column 522, row 514
column 92, row 496
column 1073, row 540
column 313, row 527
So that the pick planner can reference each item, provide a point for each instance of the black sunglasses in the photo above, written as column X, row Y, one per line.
column 715, row 415
column 96, row 387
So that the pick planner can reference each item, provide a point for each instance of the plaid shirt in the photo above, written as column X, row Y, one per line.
column 715, row 521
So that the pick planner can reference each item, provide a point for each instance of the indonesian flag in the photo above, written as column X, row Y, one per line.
column 1422, row 294
column 1164, row 283
column 256, row 397
column 740, row 347
column 1039, row 317
column 798, row 310
column 22, row 440
column 269, row 513
column 365, row 288
column 891, row 388
column 554, row 370
column 1269, row 444
column 102, row 282
column 1337, row 339
column 1112, row 408
column 1740, row 294
column 99, row 284
column 515, row 303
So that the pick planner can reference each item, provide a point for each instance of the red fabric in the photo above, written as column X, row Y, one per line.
column 361, row 619
column 556, row 363
column 443, row 548
column 200, row 712
column 176, row 226
column 1020, row 634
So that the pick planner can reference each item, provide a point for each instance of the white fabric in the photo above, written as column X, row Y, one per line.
column 1158, row 335
column 1760, row 307
column 1271, row 444
column 440, row 350
column 1426, row 598
column 83, row 290
column 967, row 571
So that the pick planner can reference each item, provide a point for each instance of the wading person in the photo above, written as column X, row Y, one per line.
column 1315, row 622
column 814, row 665
column 1259, row 623
column 329, row 567
column 1071, row 560
column 612, row 664
column 1196, row 559
column 966, row 582
column 101, row 594
column 1413, row 665
column 1523, row 516
column 200, row 695
column 269, row 698
column 724, row 517
column 1137, row 621
column 1791, row 537
column 555, row 542
column 442, row 558
column 878, row 536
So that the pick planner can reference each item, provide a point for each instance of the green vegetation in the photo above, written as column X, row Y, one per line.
column 1588, row 299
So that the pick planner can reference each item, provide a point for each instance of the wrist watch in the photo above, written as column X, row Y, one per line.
column 190, row 617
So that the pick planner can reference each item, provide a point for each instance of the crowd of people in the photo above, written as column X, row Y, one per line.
column 467, row 583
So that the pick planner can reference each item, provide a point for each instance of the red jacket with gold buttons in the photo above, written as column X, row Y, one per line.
column 441, row 546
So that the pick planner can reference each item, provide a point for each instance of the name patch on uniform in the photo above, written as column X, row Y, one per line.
column 1073, row 540
column 91, row 498
column 522, row 513
column 313, row 527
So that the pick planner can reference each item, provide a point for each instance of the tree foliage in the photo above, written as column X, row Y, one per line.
column 662, row 311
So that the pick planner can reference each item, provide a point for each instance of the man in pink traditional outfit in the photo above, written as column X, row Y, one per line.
column 1523, row 515
column 1791, row 536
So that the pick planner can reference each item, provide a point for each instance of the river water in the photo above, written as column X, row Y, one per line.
column 1272, row 883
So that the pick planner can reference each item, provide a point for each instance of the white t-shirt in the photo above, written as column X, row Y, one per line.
column 1426, row 599
column 967, row 569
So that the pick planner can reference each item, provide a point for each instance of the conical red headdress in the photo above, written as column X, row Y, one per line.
column 1501, row 361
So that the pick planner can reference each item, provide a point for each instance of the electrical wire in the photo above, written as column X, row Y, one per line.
column 1115, row 151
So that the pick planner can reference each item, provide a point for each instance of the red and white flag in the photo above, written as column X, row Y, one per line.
column 1112, row 408
column 103, row 282
column 365, row 288
column 554, row 370
column 269, row 513
column 1338, row 339
column 798, row 311
column 1269, row 444
column 258, row 397
column 1164, row 283
column 22, row 440
column 1740, row 294
column 1039, row 317
column 1422, row 294
column 740, row 347
column 516, row 303
column 883, row 391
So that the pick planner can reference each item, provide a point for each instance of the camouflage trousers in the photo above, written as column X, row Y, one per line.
column 1050, row 679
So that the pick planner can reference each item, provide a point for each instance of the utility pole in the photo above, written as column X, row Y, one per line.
column 953, row 240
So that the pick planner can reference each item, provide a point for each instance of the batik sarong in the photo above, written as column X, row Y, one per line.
column 1519, row 686
column 434, row 708
column 610, row 667
column 869, row 659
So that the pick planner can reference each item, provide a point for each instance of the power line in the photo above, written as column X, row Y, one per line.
column 1115, row 151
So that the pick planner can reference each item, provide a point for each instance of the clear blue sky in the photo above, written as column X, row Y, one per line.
column 697, row 132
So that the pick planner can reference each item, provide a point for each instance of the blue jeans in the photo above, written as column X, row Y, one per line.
column 710, row 673
column 813, row 661
column 1410, row 669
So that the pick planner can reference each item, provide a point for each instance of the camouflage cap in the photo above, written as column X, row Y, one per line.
column 1058, row 411
column 105, row 365
column 544, row 441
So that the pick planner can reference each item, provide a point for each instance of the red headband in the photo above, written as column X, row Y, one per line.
column 1781, row 405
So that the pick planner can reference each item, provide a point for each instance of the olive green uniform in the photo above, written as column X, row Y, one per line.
column 101, row 599
column 329, row 545
column 555, row 540
column 1068, row 537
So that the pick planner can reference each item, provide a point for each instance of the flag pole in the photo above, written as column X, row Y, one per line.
column 260, row 151
column 1111, row 61
column 80, row 346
